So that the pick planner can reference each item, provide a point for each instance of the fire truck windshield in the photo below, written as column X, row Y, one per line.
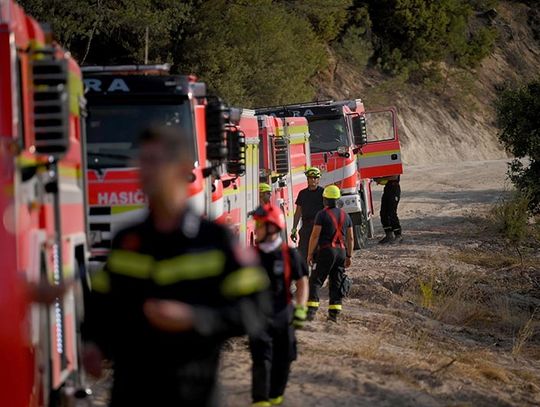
column 327, row 133
column 113, row 129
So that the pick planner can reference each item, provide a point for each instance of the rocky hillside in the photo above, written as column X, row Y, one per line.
column 453, row 119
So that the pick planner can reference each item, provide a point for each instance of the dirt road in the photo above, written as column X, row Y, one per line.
column 438, row 320
column 404, row 340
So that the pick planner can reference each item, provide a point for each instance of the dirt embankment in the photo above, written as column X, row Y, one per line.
column 455, row 121
column 449, row 317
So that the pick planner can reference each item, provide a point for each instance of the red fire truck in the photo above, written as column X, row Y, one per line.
column 350, row 146
column 122, row 101
column 231, row 147
column 42, row 226
column 285, row 156
column 276, row 153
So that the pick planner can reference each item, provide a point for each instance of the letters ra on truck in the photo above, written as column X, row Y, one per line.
column 122, row 102
column 350, row 146
column 42, row 233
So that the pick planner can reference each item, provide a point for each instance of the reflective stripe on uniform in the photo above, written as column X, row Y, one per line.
column 245, row 281
column 335, row 307
column 130, row 264
column 190, row 266
column 101, row 282
column 313, row 304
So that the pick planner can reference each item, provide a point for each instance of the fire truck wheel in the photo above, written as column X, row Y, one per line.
column 360, row 229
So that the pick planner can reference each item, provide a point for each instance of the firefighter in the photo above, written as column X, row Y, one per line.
column 172, row 291
column 308, row 203
column 389, row 204
column 330, row 250
column 265, row 193
column 274, row 349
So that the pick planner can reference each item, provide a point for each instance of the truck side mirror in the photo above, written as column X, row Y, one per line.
column 281, row 155
column 236, row 152
column 217, row 118
column 51, row 102
column 359, row 130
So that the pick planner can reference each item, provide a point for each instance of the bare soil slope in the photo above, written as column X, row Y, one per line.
column 455, row 120
column 439, row 320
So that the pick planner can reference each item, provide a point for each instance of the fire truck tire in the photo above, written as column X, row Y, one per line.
column 360, row 229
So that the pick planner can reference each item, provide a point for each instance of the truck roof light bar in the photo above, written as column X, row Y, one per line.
column 124, row 68
column 317, row 103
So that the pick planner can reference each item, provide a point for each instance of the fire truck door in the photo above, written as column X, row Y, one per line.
column 381, row 156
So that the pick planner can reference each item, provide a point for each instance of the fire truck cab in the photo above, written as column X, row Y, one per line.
column 42, row 227
column 350, row 146
column 123, row 101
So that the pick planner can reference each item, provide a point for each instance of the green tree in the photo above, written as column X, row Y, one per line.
column 355, row 44
column 413, row 32
column 518, row 114
column 113, row 31
column 327, row 17
column 254, row 53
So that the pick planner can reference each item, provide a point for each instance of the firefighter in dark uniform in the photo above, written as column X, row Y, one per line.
column 172, row 291
column 274, row 349
column 389, row 204
column 330, row 250
column 308, row 203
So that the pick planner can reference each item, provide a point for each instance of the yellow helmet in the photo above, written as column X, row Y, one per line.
column 313, row 172
column 331, row 192
column 264, row 187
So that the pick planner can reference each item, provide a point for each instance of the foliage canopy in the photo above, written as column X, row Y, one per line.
column 263, row 52
column 518, row 113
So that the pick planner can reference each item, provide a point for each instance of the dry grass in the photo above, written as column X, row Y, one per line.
column 492, row 372
column 486, row 259
column 524, row 335
column 480, row 364
column 369, row 348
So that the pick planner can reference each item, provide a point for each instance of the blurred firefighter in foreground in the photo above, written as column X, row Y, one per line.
column 330, row 251
column 274, row 349
column 308, row 203
column 172, row 291
column 265, row 193
column 389, row 204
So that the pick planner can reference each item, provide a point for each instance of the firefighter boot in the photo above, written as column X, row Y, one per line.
column 276, row 401
column 311, row 311
column 398, row 238
column 389, row 238
column 333, row 315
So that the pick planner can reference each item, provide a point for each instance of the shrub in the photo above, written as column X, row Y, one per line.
column 511, row 218
column 518, row 116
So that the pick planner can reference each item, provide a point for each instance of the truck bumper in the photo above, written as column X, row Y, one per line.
column 351, row 203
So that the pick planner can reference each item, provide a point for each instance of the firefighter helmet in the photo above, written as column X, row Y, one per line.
column 313, row 172
column 264, row 187
column 331, row 192
column 269, row 213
